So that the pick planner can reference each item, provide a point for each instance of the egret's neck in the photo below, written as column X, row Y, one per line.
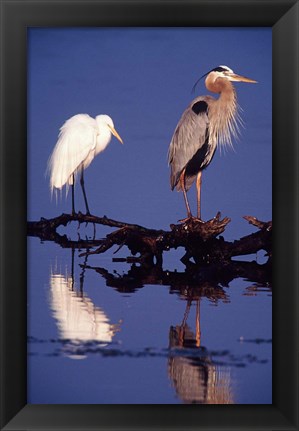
column 103, row 139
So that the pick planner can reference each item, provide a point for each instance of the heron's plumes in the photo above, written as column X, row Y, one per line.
column 225, row 120
column 219, row 69
column 195, row 85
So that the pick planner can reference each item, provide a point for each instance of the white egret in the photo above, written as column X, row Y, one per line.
column 80, row 140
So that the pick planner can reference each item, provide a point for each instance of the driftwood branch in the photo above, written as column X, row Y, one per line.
column 199, row 239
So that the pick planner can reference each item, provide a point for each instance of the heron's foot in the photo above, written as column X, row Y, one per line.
column 191, row 219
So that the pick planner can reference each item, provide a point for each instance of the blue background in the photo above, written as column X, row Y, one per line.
column 143, row 78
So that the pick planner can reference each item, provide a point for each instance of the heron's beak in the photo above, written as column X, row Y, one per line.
column 114, row 132
column 239, row 78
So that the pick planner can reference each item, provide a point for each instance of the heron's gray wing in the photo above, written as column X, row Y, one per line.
column 189, row 137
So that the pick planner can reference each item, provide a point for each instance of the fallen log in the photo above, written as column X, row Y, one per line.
column 199, row 239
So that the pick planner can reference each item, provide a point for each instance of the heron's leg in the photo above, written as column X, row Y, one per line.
column 182, row 182
column 73, row 196
column 197, row 331
column 183, row 325
column 198, row 187
column 83, row 189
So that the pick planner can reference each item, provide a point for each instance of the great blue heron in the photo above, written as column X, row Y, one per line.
column 80, row 140
column 205, row 124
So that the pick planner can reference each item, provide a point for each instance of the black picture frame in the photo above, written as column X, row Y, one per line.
column 16, row 17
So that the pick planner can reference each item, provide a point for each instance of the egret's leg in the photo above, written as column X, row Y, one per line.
column 72, row 270
column 83, row 189
column 198, row 187
column 73, row 196
column 182, row 182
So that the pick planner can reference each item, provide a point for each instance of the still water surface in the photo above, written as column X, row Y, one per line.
column 119, row 334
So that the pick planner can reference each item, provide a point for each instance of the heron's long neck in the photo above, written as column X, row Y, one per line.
column 224, row 118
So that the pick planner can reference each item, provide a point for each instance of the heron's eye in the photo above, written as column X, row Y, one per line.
column 227, row 74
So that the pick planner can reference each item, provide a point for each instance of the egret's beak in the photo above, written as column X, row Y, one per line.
column 114, row 132
column 239, row 78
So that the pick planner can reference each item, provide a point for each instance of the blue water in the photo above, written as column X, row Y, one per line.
column 100, row 331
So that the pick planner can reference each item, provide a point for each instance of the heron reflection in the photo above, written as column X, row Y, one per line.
column 194, row 376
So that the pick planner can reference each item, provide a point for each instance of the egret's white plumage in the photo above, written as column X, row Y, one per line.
column 81, row 138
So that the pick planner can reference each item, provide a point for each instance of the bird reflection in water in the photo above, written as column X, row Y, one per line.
column 196, row 379
column 80, row 323
column 192, row 369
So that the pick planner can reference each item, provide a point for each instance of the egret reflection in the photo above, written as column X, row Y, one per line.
column 78, row 320
column 197, row 374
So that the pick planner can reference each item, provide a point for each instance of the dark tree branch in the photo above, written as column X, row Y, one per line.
column 198, row 238
column 34, row 228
